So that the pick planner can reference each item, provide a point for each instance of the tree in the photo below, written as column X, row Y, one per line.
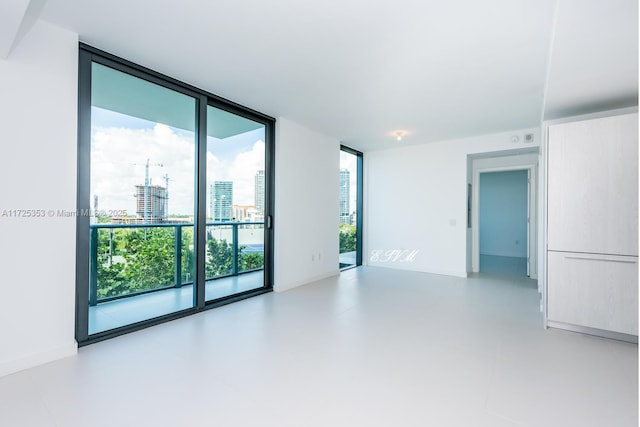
column 250, row 261
column 131, row 260
column 111, row 280
column 187, row 273
column 347, row 238
column 150, row 257
column 219, row 257
column 134, row 260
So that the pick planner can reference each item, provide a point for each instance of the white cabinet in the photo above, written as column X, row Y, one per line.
column 593, row 186
column 595, row 291
column 592, row 226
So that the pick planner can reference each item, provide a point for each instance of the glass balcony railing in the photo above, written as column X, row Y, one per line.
column 132, row 259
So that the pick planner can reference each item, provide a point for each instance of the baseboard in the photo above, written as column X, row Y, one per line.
column 38, row 359
column 593, row 331
column 297, row 284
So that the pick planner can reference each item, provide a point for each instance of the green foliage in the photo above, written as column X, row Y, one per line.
column 111, row 274
column 132, row 260
column 347, row 238
column 250, row 261
column 186, row 271
column 219, row 257
column 150, row 257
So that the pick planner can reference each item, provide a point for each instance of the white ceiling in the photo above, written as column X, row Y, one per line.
column 594, row 60
column 356, row 70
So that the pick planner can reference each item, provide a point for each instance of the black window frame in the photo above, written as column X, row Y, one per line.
column 88, row 55
column 359, row 202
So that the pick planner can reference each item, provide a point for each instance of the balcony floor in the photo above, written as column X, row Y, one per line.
column 125, row 311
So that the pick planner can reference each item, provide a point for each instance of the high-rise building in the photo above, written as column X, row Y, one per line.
column 345, row 196
column 151, row 207
column 259, row 191
column 222, row 200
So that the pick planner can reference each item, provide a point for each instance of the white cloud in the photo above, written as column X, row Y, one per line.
column 243, row 172
column 119, row 155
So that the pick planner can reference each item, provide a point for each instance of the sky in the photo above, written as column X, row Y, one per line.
column 122, row 144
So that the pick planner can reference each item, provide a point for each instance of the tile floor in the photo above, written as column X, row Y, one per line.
column 371, row 347
column 503, row 265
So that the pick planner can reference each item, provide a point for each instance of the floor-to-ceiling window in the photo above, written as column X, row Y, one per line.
column 175, row 197
column 350, row 207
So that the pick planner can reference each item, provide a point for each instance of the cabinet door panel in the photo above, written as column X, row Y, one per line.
column 597, row 291
column 593, row 186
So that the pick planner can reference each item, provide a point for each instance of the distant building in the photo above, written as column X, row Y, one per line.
column 222, row 200
column 345, row 196
column 241, row 212
column 151, row 207
column 259, row 191
column 254, row 216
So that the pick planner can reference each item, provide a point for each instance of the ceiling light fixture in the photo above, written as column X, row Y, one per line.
column 399, row 134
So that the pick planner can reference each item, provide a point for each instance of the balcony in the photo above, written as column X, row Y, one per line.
column 141, row 271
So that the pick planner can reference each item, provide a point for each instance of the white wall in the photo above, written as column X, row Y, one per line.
column 38, row 115
column 307, row 205
column 416, row 200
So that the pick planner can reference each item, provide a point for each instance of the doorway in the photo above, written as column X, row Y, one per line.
column 503, row 222
column 511, row 160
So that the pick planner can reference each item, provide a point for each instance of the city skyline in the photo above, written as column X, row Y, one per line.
column 349, row 162
column 121, row 152
column 121, row 146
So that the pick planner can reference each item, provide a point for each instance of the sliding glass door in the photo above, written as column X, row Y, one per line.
column 236, row 204
column 141, row 197
column 175, row 191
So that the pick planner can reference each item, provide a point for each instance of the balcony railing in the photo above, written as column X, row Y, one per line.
column 131, row 259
